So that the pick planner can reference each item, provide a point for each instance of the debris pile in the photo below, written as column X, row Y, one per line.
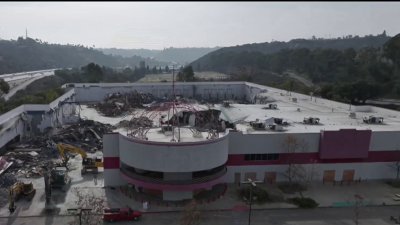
column 29, row 156
column 136, row 123
column 117, row 104
column 87, row 134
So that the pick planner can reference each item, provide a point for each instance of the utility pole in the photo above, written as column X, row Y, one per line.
column 252, row 184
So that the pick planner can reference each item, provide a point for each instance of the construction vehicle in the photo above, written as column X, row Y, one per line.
column 18, row 190
column 55, row 177
column 88, row 163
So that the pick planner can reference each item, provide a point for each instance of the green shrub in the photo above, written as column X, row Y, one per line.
column 394, row 183
column 305, row 203
column 260, row 195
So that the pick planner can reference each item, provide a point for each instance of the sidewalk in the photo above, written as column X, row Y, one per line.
column 374, row 193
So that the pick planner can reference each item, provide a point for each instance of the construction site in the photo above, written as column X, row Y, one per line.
column 158, row 142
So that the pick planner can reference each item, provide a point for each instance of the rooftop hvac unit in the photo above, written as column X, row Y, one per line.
column 373, row 120
column 311, row 120
column 352, row 115
column 276, row 127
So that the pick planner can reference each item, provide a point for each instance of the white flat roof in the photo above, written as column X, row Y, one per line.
column 332, row 115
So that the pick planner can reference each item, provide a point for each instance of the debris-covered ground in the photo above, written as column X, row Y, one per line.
column 29, row 156
column 117, row 104
column 135, row 123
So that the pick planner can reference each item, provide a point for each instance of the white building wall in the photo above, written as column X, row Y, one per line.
column 240, row 143
column 221, row 90
column 365, row 171
column 385, row 141
column 180, row 157
column 112, row 177
column 111, row 145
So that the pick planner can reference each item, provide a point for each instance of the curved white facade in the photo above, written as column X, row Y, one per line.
column 173, row 157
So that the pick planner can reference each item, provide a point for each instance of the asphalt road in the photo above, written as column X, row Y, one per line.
column 320, row 216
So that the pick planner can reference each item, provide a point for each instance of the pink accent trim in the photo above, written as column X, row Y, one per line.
column 111, row 163
column 177, row 144
column 344, row 144
column 171, row 187
column 313, row 157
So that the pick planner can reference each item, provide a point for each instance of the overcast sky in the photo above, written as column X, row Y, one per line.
column 157, row 25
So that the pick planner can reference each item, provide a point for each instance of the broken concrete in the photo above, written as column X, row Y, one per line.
column 117, row 104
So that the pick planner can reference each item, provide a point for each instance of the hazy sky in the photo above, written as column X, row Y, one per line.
column 156, row 25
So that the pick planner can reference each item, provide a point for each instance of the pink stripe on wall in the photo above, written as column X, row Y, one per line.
column 111, row 162
column 307, row 158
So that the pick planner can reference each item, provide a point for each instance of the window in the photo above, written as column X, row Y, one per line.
column 261, row 157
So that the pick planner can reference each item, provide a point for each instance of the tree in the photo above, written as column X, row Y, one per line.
column 186, row 74
column 292, row 145
column 4, row 87
column 167, row 69
column 93, row 73
column 191, row 215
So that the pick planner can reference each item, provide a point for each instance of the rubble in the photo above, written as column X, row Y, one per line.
column 29, row 156
column 87, row 134
column 117, row 104
column 136, row 123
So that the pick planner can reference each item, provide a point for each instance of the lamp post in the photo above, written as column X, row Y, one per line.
column 252, row 184
column 79, row 212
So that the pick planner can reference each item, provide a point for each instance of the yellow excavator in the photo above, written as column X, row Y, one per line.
column 88, row 163
column 18, row 190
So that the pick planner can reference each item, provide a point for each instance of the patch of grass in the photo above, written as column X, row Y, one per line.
column 305, row 203
column 291, row 188
column 394, row 183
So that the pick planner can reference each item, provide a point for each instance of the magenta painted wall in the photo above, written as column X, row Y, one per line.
column 111, row 163
column 344, row 144
column 307, row 158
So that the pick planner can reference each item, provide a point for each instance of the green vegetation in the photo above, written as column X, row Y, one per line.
column 260, row 195
column 394, row 183
column 4, row 87
column 29, row 54
column 305, row 203
column 351, row 75
column 186, row 74
column 47, row 89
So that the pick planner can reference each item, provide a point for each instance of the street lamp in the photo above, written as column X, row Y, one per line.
column 252, row 184
column 79, row 212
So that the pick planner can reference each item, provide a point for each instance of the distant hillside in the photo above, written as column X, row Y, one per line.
column 356, row 42
column 367, row 70
column 29, row 54
column 145, row 53
column 177, row 55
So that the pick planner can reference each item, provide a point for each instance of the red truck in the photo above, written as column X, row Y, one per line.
column 120, row 214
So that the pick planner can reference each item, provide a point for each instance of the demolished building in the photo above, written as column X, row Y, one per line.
column 188, row 151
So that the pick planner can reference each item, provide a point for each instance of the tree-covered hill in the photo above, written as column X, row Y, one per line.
column 207, row 62
column 352, row 74
column 26, row 54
